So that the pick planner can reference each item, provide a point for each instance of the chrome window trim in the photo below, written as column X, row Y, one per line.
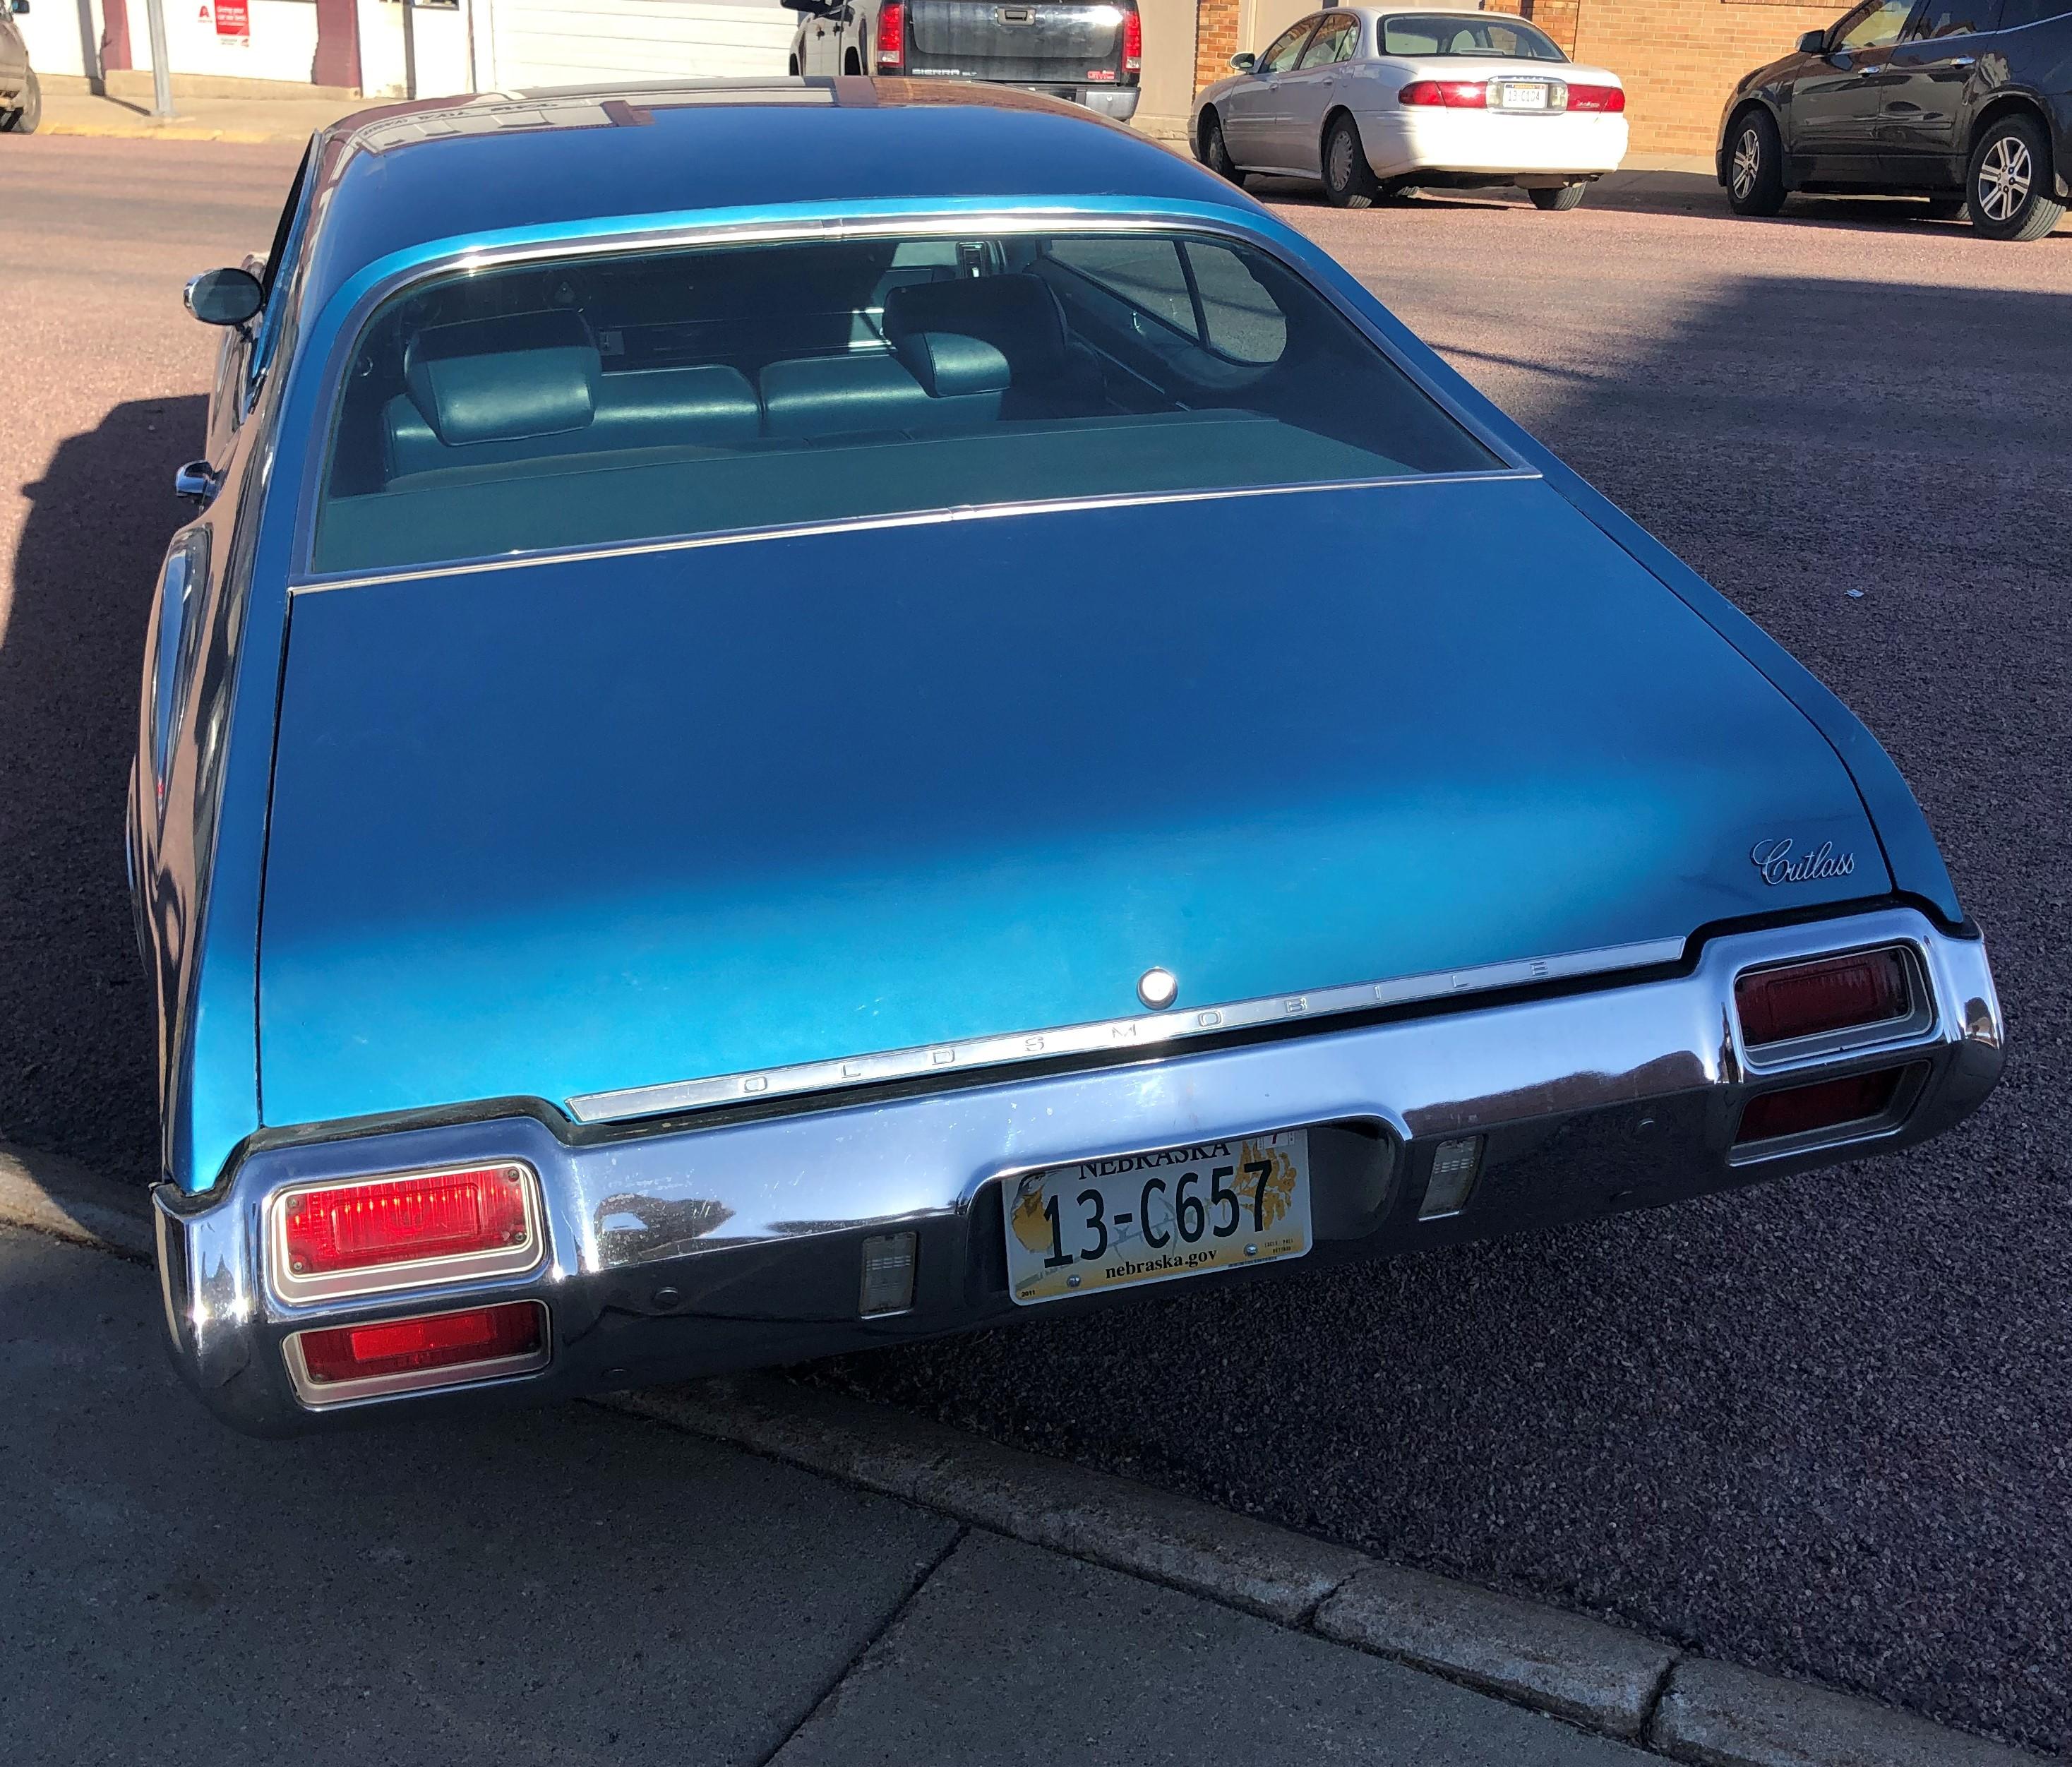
column 1106, row 1036
column 855, row 525
column 412, row 1273
column 324, row 1395
column 470, row 261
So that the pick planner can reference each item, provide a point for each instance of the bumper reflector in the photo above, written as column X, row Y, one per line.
column 349, row 1355
column 1808, row 999
column 1825, row 1104
column 1454, row 1165
column 888, row 1273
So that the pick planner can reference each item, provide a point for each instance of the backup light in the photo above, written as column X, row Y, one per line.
column 1608, row 98
column 1454, row 1165
column 366, row 1235
column 1825, row 1104
column 888, row 1274
column 1807, row 999
column 1454, row 94
column 400, row 1354
column 892, row 36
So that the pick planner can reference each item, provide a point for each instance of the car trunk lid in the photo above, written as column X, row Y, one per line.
column 574, row 826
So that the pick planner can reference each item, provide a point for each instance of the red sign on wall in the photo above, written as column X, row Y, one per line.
column 233, row 18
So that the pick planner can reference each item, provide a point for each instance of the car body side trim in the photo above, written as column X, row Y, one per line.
column 1108, row 1035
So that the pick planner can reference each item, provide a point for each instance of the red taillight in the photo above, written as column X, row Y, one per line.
column 1454, row 94
column 389, row 1221
column 892, row 36
column 1840, row 993
column 431, row 1344
column 1825, row 1104
column 1133, row 43
column 1596, row 98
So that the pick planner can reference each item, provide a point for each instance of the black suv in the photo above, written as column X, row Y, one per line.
column 1966, row 102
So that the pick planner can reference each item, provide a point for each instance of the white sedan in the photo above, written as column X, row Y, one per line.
column 1374, row 102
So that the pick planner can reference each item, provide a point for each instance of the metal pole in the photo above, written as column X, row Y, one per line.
column 409, row 50
column 162, row 70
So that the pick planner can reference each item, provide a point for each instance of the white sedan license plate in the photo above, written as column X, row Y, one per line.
column 1136, row 1217
column 1516, row 97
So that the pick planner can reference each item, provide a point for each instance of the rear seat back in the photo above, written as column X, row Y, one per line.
column 530, row 385
column 1018, row 316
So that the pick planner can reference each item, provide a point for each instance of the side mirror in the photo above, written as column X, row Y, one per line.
column 21, row 8
column 811, row 8
column 1814, row 43
column 224, row 297
column 1244, row 61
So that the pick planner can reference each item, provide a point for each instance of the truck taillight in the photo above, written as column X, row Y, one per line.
column 1454, row 94
column 438, row 1349
column 1811, row 1000
column 363, row 1235
column 1132, row 42
column 1596, row 98
column 892, row 36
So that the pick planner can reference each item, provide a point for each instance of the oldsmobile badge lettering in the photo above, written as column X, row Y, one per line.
column 1774, row 860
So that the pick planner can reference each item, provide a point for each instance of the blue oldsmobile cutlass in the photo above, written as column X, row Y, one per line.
column 805, row 714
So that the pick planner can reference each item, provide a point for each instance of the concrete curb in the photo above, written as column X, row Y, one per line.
column 1599, row 1676
column 50, row 1194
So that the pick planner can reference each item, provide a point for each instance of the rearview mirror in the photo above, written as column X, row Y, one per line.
column 224, row 297
column 1814, row 43
column 1244, row 61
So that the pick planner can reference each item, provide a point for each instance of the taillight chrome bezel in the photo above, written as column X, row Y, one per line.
column 321, row 1395
column 404, row 1274
column 1911, row 1080
column 1785, row 1054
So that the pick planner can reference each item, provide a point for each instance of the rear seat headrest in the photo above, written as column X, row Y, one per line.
column 950, row 364
column 1016, row 315
column 520, row 374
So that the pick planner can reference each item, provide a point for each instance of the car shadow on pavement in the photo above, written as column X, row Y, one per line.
column 76, row 1036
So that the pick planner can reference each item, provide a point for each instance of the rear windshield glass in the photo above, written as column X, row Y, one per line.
column 587, row 402
column 1453, row 34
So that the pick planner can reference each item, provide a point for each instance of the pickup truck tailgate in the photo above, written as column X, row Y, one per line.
column 1033, row 42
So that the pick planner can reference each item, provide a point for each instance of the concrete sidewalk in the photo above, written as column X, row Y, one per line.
column 239, row 119
column 581, row 1584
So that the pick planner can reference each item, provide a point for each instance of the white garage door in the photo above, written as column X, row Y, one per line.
column 540, row 42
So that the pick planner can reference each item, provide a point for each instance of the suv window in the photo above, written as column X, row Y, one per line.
column 1335, row 41
column 1281, row 52
column 1873, row 26
column 1952, row 18
column 2017, row 13
column 570, row 403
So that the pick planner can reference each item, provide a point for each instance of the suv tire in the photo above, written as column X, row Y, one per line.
column 1755, row 165
column 2008, row 190
column 1562, row 197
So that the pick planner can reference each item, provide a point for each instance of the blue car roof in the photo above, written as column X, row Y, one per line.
column 402, row 177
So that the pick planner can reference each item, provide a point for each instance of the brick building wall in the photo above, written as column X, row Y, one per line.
column 1678, row 59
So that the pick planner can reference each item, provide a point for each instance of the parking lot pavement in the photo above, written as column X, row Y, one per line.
column 581, row 1585
column 1819, row 1427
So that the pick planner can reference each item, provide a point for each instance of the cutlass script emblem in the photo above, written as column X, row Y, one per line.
column 1773, row 859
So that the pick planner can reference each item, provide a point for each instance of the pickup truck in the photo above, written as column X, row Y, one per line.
column 1091, row 53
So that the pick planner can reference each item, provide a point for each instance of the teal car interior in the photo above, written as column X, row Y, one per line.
column 766, row 672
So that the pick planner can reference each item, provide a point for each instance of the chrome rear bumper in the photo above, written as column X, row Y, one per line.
column 683, row 1247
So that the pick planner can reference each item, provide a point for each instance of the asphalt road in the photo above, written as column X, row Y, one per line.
column 1821, row 1426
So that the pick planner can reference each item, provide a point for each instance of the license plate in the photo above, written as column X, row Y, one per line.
column 1137, row 1218
column 1524, row 97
